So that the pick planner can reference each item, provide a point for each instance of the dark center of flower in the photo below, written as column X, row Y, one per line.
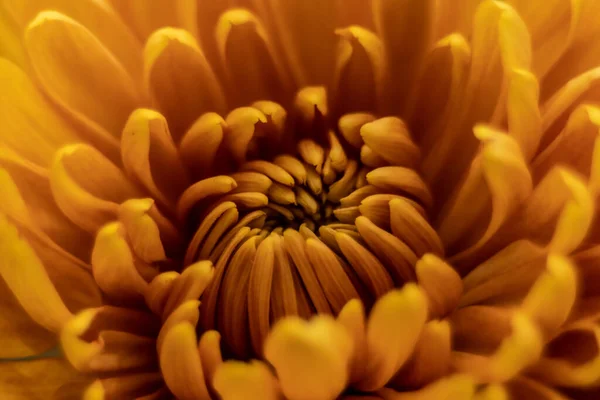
column 311, row 215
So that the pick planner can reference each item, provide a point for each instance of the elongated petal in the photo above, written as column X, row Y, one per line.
column 87, row 186
column 253, row 69
column 310, row 358
column 180, row 363
column 180, row 79
column 393, row 330
column 235, row 380
column 61, row 48
column 406, row 29
column 32, row 128
column 150, row 156
column 26, row 277
column 359, row 78
column 96, row 16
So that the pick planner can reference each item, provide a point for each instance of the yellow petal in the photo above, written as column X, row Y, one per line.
column 498, row 183
column 180, row 363
column 441, row 86
column 28, row 199
column 550, row 300
column 310, row 358
column 574, row 145
column 552, row 29
column 253, row 70
column 358, row 82
column 87, row 186
column 190, row 285
column 523, row 114
column 150, row 156
column 393, row 329
column 307, row 34
column 509, row 273
column 113, row 265
column 145, row 19
column 79, row 352
column 352, row 317
column 12, row 46
column 32, row 128
column 142, row 230
column 492, row 392
column 180, row 79
column 96, row 16
column 571, row 359
column 441, row 283
column 456, row 386
column 41, row 380
column 236, row 380
column 198, row 147
column 21, row 336
column 390, row 139
column 519, row 350
column 26, row 277
column 431, row 359
column 60, row 49
column 406, row 30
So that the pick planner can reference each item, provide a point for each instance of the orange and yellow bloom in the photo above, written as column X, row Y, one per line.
column 299, row 199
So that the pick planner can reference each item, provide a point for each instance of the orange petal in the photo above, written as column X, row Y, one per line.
column 310, row 357
column 180, row 363
column 27, row 279
column 236, row 380
column 113, row 265
column 180, row 79
column 150, row 156
column 393, row 330
column 103, row 101
column 252, row 67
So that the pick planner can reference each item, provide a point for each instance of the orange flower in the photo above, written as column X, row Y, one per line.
column 299, row 199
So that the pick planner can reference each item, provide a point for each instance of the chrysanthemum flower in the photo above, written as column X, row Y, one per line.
column 299, row 199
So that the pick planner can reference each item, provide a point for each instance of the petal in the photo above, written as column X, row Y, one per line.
column 96, row 16
column 306, row 29
column 32, row 129
column 180, row 79
column 406, row 30
column 21, row 336
column 352, row 317
column 60, row 49
column 236, row 380
column 551, row 299
column 87, row 187
column 393, row 329
column 523, row 113
column 198, row 147
column 574, row 145
column 508, row 274
column 358, row 81
column 12, row 46
column 572, row 358
column 180, row 363
column 113, row 265
column 497, row 184
column 431, row 358
column 28, row 200
column 310, row 358
column 441, row 283
column 41, row 380
column 552, row 29
column 26, row 277
column 456, row 386
column 441, row 87
column 390, row 139
column 516, row 352
column 253, row 70
column 151, row 158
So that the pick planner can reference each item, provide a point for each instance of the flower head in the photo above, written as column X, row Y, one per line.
column 300, row 199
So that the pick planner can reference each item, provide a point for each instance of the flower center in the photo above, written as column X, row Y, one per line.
column 300, row 223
